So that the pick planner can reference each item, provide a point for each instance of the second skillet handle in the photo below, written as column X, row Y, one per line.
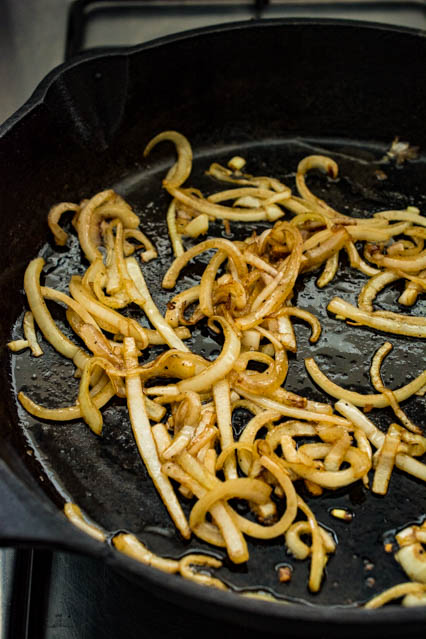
column 26, row 519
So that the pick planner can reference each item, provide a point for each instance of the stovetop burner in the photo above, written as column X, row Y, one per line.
column 45, row 595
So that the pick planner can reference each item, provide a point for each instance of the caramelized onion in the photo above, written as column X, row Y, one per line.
column 249, row 290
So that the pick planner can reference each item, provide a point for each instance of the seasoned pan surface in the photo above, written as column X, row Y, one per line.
column 106, row 477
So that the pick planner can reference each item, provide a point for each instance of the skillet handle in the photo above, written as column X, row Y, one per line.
column 28, row 519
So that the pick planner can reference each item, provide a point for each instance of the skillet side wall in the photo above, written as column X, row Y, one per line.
column 269, row 81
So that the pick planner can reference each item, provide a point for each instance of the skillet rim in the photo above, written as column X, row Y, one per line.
column 40, row 92
column 181, row 588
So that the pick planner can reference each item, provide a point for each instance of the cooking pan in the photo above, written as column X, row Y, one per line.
column 272, row 91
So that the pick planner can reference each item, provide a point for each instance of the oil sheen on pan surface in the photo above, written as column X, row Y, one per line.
column 105, row 475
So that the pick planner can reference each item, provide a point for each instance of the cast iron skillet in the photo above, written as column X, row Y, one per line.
column 275, row 91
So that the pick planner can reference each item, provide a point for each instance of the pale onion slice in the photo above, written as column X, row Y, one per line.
column 318, row 555
column 279, row 528
column 259, row 263
column 186, row 419
column 225, row 175
column 250, row 341
column 377, row 382
column 404, row 248
column 151, row 310
column 289, row 450
column 269, row 212
column 286, row 333
column 180, row 442
column 247, row 437
column 225, row 452
column 309, row 318
column 364, row 445
column 290, row 270
column 325, row 250
column 293, row 540
column 374, row 285
column 413, row 560
column 371, row 234
column 249, row 192
column 70, row 412
column 42, row 315
column 359, row 465
column 359, row 419
column 144, row 439
column 373, row 400
column 228, row 247
column 203, row 441
column 187, row 569
column 53, row 218
column 388, row 322
column 406, row 264
column 330, row 270
column 104, row 204
column 267, row 292
column 181, row 170
column 208, row 281
column 357, row 262
column 236, row 545
column 57, row 296
column 89, row 410
column 155, row 339
column 241, row 488
column 405, row 215
column 236, row 163
column 284, row 396
column 177, row 305
column 419, row 279
column 414, row 599
column 107, row 318
column 131, row 546
column 297, row 546
column 290, row 411
column 290, row 428
column 220, row 368
column 150, row 251
column 198, row 226
column 334, row 458
column 99, row 277
column 317, row 238
column 18, row 345
column 386, row 460
column 174, row 235
column 403, row 462
column 75, row 516
column 396, row 592
column 31, row 335
column 222, row 399
column 323, row 163
column 412, row 289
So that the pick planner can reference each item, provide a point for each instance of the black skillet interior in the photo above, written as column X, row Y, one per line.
column 274, row 93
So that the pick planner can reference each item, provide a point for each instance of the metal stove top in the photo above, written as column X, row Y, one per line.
column 46, row 595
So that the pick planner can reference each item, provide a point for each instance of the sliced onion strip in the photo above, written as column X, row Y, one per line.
column 53, row 218
column 181, row 170
column 386, row 460
column 134, row 548
column 30, row 334
column 144, row 439
column 376, row 401
column 396, row 592
column 75, row 516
